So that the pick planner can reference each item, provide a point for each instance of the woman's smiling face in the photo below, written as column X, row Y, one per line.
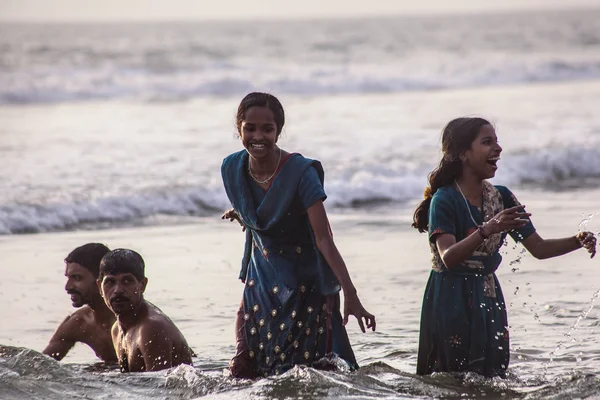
column 258, row 132
column 484, row 153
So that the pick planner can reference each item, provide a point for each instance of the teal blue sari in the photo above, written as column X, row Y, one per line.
column 291, row 296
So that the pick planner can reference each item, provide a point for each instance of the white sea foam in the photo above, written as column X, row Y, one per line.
column 362, row 187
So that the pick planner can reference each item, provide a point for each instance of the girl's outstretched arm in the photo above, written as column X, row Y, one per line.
column 352, row 305
column 542, row 248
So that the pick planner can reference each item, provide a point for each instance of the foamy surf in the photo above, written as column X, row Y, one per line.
column 363, row 187
column 26, row 374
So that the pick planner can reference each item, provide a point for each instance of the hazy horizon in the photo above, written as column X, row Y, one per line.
column 82, row 11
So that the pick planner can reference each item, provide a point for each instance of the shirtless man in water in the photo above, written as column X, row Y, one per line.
column 144, row 338
column 92, row 322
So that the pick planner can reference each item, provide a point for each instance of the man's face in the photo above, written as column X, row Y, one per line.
column 122, row 292
column 81, row 284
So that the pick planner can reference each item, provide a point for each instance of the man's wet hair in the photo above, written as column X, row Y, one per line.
column 88, row 256
column 122, row 261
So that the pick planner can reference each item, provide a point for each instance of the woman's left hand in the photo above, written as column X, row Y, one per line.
column 352, row 306
column 587, row 240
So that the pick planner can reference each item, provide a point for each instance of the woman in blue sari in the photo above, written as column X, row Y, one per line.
column 464, row 323
column 291, row 267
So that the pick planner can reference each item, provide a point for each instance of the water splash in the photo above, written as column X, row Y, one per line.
column 519, row 258
column 567, row 337
column 583, row 225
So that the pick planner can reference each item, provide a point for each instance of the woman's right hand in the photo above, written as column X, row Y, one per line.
column 506, row 220
column 232, row 215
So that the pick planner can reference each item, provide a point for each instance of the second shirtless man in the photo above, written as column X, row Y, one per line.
column 144, row 338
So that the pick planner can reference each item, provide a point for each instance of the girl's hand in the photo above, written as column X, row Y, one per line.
column 232, row 215
column 506, row 220
column 587, row 240
column 352, row 306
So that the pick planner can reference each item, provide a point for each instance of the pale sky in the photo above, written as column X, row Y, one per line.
column 161, row 10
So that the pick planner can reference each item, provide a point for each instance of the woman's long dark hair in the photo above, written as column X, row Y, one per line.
column 457, row 138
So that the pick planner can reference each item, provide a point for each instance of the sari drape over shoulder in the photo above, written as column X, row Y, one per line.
column 291, row 296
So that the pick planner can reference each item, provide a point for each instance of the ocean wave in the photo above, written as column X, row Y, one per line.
column 366, row 187
column 546, row 168
column 26, row 374
column 114, row 83
column 70, row 63
column 107, row 212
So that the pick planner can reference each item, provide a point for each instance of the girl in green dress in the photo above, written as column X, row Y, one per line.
column 463, row 321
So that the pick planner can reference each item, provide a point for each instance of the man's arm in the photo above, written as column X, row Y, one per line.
column 156, row 345
column 63, row 339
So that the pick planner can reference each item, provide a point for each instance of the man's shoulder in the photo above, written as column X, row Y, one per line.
column 155, row 321
column 73, row 326
column 156, row 331
column 84, row 312
column 81, row 316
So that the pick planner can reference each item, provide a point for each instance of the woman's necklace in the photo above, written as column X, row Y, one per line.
column 466, row 202
column 269, row 178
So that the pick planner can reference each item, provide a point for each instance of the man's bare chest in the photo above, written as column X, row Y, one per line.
column 129, row 354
